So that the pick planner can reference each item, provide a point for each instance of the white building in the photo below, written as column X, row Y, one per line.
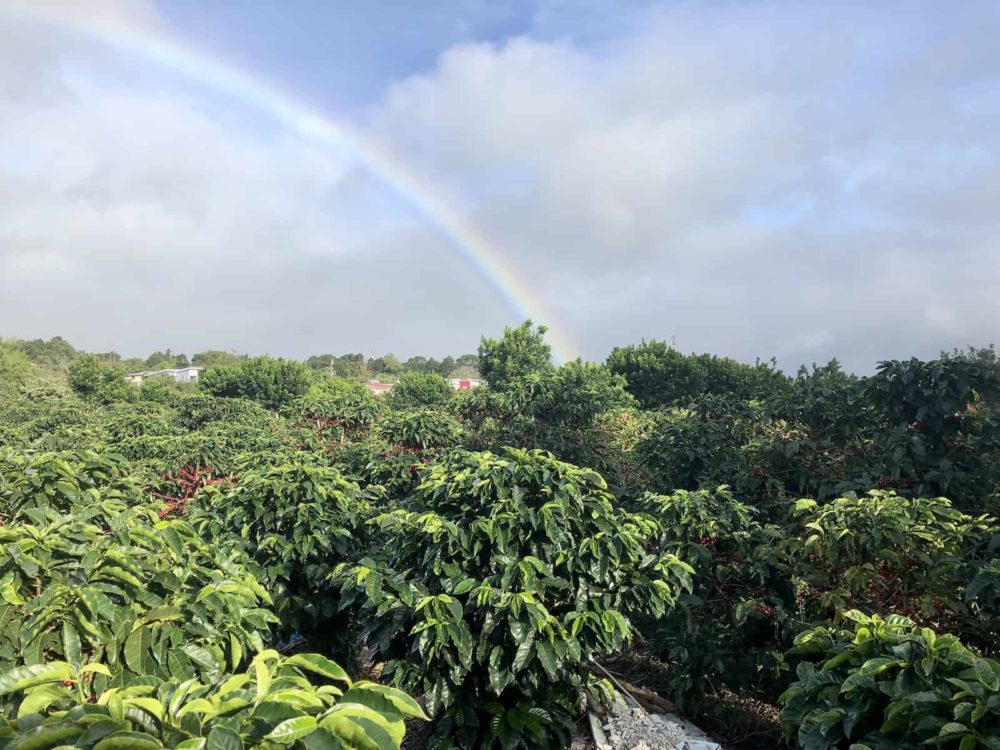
column 180, row 374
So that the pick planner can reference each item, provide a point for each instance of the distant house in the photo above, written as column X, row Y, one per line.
column 180, row 374
column 378, row 388
column 464, row 384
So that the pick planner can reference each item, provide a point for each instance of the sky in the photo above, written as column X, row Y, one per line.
column 758, row 179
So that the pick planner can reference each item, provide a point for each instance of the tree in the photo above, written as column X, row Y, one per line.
column 320, row 361
column 659, row 375
column 95, row 380
column 271, row 382
column 166, row 360
column 420, row 389
column 388, row 364
column 215, row 357
column 54, row 353
column 15, row 368
column 445, row 366
column 520, row 352
column 350, row 365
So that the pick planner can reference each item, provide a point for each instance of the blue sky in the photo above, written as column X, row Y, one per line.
column 789, row 179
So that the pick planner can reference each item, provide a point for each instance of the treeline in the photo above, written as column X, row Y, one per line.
column 57, row 354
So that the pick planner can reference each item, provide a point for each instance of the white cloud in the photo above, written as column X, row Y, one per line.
column 756, row 178
column 759, row 179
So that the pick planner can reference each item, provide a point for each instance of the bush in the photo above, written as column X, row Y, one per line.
column 734, row 626
column 420, row 429
column 296, row 522
column 61, row 480
column 335, row 414
column 885, row 683
column 883, row 553
column 94, row 380
column 119, row 586
column 278, row 702
column 700, row 446
column 194, row 412
column 504, row 576
column 415, row 389
column 271, row 382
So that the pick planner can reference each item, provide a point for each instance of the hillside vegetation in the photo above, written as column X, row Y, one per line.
column 277, row 558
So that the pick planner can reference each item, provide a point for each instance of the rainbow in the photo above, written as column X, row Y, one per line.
column 159, row 48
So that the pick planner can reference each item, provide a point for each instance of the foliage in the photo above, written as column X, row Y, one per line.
column 521, row 351
column 97, row 381
column 60, row 480
column 700, row 446
column 883, row 553
column 194, row 412
column 118, row 585
column 15, row 368
column 216, row 358
column 56, row 353
column 296, row 522
column 552, row 409
column 938, row 423
column 420, row 389
column 271, row 382
column 421, row 429
column 503, row 577
column 161, row 390
column 335, row 413
column 885, row 683
column 658, row 375
column 730, row 629
column 301, row 702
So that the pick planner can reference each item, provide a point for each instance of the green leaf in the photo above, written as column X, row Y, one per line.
column 128, row 741
column 547, row 656
column 318, row 664
column 71, row 643
column 292, row 729
column 384, row 699
column 363, row 729
column 46, row 736
column 25, row 677
column 222, row 738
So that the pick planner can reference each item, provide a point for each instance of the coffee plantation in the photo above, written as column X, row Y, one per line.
column 278, row 558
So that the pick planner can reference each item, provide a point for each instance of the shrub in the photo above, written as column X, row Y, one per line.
column 94, row 380
column 520, row 352
column 194, row 412
column 733, row 627
column 277, row 703
column 271, row 382
column 885, row 683
column 504, row 576
column 415, row 389
column 296, row 523
column 61, row 480
column 420, row 429
column 701, row 446
column 119, row 586
column 335, row 414
column 884, row 553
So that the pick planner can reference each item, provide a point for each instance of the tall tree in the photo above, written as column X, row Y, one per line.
column 518, row 353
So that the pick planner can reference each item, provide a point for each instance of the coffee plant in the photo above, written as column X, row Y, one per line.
column 732, row 627
column 876, row 683
column 296, row 522
column 503, row 576
column 301, row 702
